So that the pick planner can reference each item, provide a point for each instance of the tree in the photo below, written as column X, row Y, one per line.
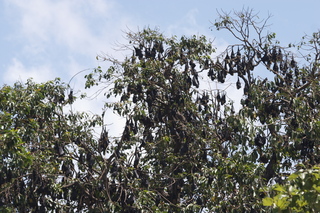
column 184, row 146
column 286, row 105
column 300, row 193
column 38, row 143
column 163, row 147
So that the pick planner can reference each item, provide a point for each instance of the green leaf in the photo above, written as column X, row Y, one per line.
column 268, row 201
column 293, row 176
column 282, row 202
column 317, row 188
column 279, row 188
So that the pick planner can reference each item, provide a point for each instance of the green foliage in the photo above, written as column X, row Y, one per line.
column 184, row 147
column 178, row 138
column 187, row 146
column 300, row 193
column 36, row 138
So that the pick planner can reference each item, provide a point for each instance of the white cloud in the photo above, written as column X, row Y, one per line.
column 99, row 6
column 49, row 30
column 77, row 25
column 191, row 16
column 17, row 71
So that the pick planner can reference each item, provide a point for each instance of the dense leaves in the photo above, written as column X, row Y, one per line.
column 300, row 193
column 185, row 147
column 181, row 142
column 37, row 147
column 186, row 135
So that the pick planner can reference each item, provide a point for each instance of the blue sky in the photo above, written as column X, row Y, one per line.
column 44, row 39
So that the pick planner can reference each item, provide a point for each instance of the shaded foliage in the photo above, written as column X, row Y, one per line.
column 37, row 147
column 184, row 146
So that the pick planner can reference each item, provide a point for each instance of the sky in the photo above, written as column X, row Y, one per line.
column 45, row 39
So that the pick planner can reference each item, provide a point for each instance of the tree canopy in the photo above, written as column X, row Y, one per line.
column 185, row 146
